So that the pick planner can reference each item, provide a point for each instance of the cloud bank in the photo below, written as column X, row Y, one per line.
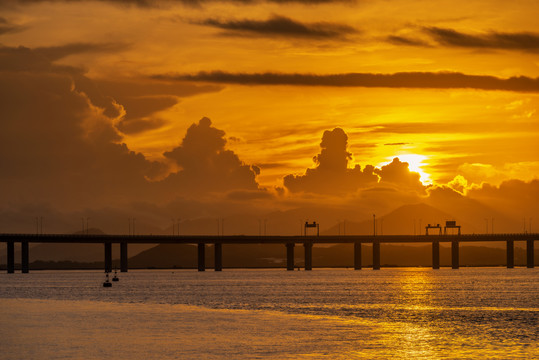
column 165, row 3
column 418, row 80
column 60, row 141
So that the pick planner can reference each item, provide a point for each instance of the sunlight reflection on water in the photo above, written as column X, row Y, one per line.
column 326, row 313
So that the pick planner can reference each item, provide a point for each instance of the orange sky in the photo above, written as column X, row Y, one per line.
column 451, row 87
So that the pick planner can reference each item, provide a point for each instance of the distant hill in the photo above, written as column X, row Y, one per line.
column 269, row 255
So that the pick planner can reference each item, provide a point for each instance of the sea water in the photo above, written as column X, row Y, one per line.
column 403, row 313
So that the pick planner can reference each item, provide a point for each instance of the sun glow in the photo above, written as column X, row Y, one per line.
column 415, row 164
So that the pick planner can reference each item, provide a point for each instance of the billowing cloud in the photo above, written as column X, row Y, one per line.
column 397, row 173
column 60, row 140
column 57, row 141
column 331, row 174
column 283, row 27
column 206, row 166
column 422, row 80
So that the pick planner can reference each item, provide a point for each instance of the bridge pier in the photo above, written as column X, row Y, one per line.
column 510, row 254
column 201, row 257
column 376, row 254
column 435, row 254
column 308, row 255
column 530, row 253
column 123, row 256
column 454, row 254
column 10, row 257
column 108, row 257
column 25, row 265
column 218, row 257
column 290, row 256
column 357, row 255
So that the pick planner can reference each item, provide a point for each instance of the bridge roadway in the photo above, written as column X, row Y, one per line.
column 288, row 241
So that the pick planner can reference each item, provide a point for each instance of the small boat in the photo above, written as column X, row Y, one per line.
column 115, row 278
column 107, row 283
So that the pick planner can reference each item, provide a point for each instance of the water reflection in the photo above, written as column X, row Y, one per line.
column 337, row 314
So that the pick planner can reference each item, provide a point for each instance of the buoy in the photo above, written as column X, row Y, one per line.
column 107, row 283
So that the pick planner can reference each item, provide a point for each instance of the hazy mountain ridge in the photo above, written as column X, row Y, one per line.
column 405, row 220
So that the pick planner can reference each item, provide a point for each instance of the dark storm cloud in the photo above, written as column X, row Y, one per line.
column 421, row 80
column 524, row 41
column 281, row 26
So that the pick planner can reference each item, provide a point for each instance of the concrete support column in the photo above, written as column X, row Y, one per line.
column 25, row 264
column 376, row 254
column 10, row 257
column 290, row 256
column 454, row 254
column 123, row 256
column 435, row 254
column 357, row 255
column 108, row 257
column 308, row 255
column 530, row 253
column 218, row 257
column 510, row 253
column 201, row 257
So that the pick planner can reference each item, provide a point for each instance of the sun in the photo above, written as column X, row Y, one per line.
column 415, row 164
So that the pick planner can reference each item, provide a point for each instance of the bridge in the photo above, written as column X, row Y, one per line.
column 288, row 241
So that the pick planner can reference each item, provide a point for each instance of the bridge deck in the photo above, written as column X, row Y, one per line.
column 246, row 239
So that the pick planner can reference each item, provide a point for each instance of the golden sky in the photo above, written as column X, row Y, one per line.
column 450, row 87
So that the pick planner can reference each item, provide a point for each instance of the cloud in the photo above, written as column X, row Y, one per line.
column 206, row 166
column 166, row 3
column 331, row 174
column 140, row 111
column 397, row 173
column 58, row 140
column 401, row 40
column 142, row 100
column 281, row 26
column 421, row 80
column 431, row 36
column 7, row 27
column 57, row 52
column 246, row 195
column 523, row 41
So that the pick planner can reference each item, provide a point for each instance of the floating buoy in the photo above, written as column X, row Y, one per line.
column 107, row 283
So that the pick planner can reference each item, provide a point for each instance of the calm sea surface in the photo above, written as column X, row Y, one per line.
column 408, row 313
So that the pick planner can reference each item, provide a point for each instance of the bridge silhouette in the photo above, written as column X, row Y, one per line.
column 288, row 241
